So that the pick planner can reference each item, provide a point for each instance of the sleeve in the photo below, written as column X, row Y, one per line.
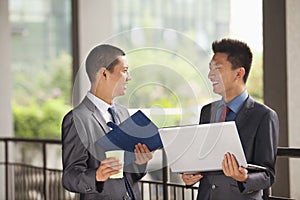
column 205, row 114
column 265, row 151
column 77, row 176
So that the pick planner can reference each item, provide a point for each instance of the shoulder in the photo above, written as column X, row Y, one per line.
column 208, row 111
column 260, row 107
column 82, row 110
column 211, row 105
column 259, row 111
column 120, row 107
column 122, row 111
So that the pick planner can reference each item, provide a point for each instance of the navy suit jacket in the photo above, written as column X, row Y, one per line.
column 81, row 157
column 258, row 128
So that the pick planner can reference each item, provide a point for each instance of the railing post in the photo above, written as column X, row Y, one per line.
column 6, row 168
column 165, row 171
column 44, row 171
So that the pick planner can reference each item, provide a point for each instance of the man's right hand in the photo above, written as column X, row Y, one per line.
column 108, row 167
column 191, row 179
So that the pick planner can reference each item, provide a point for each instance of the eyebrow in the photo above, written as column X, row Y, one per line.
column 125, row 67
column 215, row 63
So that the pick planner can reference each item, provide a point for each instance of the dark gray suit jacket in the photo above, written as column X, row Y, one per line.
column 81, row 128
column 258, row 127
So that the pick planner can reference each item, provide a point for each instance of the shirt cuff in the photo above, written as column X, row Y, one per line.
column 99, row 186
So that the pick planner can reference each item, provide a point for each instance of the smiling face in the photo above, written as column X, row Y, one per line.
column 226, row 81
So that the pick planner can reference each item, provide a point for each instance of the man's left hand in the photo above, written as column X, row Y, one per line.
column 142, row 154
column 231, row 168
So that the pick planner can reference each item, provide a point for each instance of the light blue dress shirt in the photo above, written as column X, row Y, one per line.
column 234, row 105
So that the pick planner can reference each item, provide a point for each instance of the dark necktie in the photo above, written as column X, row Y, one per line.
column 117, row 121
column 114, row 115
column 224, row 113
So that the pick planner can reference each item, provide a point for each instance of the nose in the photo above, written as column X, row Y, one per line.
column 210, row 74
column 128, row 76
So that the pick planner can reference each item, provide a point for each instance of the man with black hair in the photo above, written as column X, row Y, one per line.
column 257, row 124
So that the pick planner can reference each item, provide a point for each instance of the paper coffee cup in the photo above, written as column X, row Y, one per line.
column 118, row 154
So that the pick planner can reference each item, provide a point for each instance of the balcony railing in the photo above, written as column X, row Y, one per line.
column 30, row 174
column 25, row 180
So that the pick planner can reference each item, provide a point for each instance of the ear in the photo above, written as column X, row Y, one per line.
column 102, row 72
column 241, row 72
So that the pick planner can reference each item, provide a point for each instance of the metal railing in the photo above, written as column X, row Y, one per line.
column 28, row 181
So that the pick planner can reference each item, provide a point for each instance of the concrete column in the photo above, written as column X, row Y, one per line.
column 293, row 91
column 275, row 82
column 95, row 25
column 6, row 117
column 282, row 83
column 6, row 120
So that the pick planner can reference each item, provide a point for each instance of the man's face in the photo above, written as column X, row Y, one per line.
column 221, row 74
column 118, row 79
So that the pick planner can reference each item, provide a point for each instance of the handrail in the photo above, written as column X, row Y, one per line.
column 35, row 140
column 281, row 151
column 288, row 152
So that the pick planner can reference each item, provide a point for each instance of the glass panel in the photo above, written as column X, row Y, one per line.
column 41, row 65
column 169, row 61
column 168, row 44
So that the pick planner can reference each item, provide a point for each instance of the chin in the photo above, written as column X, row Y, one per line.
column 122, row 93
column 216, row 91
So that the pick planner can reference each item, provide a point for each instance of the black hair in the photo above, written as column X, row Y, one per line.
column 239, row 53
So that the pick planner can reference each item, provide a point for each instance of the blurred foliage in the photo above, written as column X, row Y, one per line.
column 255, row 79
column 40, row 83
column 168, row 79
column 41, row 98
column 164, row 75
column 35, row 121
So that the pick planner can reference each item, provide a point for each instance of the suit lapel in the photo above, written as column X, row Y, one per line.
column 214, row 108
column 96, row 114
column 243, row 115
column 122, row 113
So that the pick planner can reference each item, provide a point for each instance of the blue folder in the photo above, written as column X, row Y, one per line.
column 138, row 128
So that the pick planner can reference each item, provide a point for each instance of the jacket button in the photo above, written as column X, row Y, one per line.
column 213, row 186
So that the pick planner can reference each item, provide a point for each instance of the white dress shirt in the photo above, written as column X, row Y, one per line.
column 101, row 105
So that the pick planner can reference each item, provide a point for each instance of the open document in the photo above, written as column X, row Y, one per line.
column 138, row 128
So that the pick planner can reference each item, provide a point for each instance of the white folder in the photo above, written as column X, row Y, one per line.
column 201, row 148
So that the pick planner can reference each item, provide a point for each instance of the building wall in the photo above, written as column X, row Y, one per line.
column 6, row 121
column 293, row 82
column 281, row 84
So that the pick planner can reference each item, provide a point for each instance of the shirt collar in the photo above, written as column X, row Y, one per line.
column 236, row 104
column 99, row 103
